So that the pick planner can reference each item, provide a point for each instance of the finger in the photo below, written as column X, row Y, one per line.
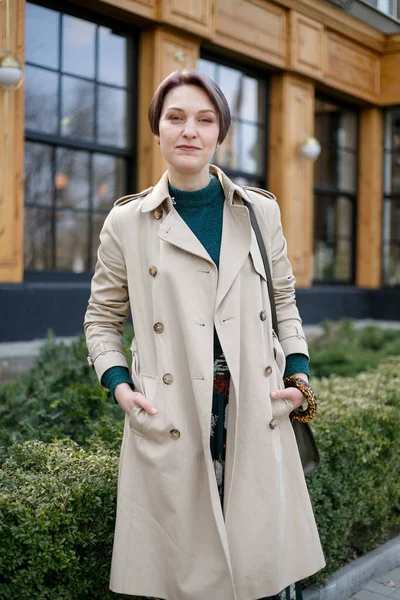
column 141, row 401
column 281, row 394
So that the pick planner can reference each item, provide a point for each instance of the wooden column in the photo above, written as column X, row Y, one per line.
column 290, row 174
column 370, row 199
column 11, row 152
column 161, row 52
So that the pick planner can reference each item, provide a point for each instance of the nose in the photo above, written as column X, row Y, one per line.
column 190, row 130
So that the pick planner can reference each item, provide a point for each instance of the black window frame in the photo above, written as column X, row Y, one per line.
column 333, row 192
column 263, row 76
column 54, row 141
column 392, row 197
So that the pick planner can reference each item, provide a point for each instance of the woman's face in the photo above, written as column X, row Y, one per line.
column 188, row 129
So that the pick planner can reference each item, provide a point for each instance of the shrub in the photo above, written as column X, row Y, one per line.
column 344, row 349
column 57, row 505
column 59, row 398
column 356, row 490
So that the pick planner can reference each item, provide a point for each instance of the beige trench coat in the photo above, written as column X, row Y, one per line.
column 172, row 538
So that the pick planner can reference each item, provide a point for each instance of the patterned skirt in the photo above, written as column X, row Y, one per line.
column 219, row 419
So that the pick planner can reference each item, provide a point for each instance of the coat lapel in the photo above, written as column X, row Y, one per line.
column 175, row 231
column 235, row 247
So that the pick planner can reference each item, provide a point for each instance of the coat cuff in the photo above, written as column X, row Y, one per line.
column 292, row 340
column 107, row 359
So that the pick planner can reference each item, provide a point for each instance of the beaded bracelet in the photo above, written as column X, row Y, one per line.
column 304, row 416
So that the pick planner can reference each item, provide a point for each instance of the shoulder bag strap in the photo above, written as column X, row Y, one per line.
column 264, row 256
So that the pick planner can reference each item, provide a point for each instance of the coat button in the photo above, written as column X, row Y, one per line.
column 158, row 213
column 153, row 271
column 268, row 371
column 263, row 315
column 273, row 424
column 158, row 327
column 175, row 434
column 167, row 378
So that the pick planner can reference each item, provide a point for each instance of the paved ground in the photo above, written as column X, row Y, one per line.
column 384, row 586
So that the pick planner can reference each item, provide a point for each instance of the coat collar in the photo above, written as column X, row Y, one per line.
column 160, row 191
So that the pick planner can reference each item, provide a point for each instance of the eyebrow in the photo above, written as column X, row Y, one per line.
column 205, row 110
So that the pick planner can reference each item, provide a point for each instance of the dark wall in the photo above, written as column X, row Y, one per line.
column 29, row 309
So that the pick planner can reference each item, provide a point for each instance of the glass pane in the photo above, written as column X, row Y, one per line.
column 78, row 50
column 343, row 260
column 395, row 179
column 392, row 141
column 252, row 144
column 38, row 174
column 231, row 83
column 112, row 57
column 336, row 169
column 97, row 225
column 344, row 218
column 109, row 180
column 112, row 125
column 391, row 264
column 71, row 241
column 335, row 126
column 227, row 154
column 37, row 239
column 207, row 68
column 77, row 102
column 253, row 101
column 324, row 261
column 41, row 36
column 41, row 100
column 72, row 179
column 346, row 133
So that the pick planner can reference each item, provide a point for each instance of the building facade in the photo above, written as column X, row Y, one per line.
column 74, row 137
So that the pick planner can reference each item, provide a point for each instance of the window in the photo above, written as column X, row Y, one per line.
column 242, row 156
column 389, row 7
column 391, row 206
column 335, row 192
column 78, row 149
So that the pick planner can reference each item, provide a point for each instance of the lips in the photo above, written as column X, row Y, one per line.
column 183, row 147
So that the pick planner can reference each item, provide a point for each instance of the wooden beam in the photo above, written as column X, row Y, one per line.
column 290, row 174
column 370, row 199
column 12, row 153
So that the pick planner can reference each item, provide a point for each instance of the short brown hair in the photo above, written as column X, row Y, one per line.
column 190, row 77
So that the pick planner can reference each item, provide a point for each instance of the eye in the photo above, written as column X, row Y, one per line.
column 205, row 120
column 174, row 118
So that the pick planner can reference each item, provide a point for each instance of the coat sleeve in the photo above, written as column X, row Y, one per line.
column 108, row 306
column 291, row 334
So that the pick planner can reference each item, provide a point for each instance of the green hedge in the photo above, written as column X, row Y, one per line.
column 57, row 501
column 57, row 510
column 345, row 349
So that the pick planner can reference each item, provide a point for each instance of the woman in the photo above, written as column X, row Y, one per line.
column 212, row 501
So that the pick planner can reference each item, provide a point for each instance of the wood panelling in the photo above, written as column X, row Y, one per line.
column 370, row 199
column 161, row 53
column 11, row 154
column 192, row 15
column 255, row 28
column 306, row 45
column 338, row 21
column 290, row 174
column 351, row 67
column 390, row 72
column 143, row 8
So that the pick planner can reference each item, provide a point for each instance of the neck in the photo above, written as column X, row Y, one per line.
column 189, row 182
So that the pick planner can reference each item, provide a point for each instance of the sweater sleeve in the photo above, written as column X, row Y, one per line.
column 296, row 363
column 113, row 377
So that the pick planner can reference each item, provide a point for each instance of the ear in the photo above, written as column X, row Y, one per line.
column 157, row 138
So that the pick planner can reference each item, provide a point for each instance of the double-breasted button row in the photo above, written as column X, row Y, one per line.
column 167, row 379
column 158, row 327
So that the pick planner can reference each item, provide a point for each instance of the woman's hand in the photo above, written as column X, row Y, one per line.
column 127, row 399
column 292, row 394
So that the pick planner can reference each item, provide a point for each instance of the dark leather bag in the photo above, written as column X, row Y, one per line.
column 308, row 450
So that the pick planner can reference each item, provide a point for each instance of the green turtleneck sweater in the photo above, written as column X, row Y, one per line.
column 202, row 211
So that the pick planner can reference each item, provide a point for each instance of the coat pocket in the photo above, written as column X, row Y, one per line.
column 282, row 407
column 139, row 419
column 279, row 355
